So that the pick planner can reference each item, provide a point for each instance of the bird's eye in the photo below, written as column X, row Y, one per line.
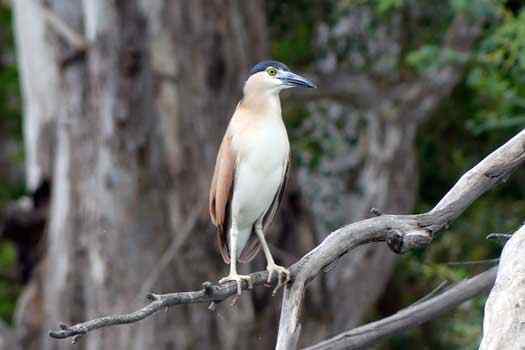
column 271, row 71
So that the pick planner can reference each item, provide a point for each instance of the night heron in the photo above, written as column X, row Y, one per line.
column 251, row 170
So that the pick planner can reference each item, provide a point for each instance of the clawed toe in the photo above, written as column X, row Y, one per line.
column 238, row 280
column 283, row 276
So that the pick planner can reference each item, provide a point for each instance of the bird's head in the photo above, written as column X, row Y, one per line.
column 272, row 77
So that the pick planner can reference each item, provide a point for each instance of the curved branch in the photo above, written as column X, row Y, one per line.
column 412, row 316
column 401, row 232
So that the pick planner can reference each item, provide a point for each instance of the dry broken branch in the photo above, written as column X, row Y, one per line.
column 401, row 232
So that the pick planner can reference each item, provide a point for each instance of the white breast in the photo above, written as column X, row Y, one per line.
column 262, row 156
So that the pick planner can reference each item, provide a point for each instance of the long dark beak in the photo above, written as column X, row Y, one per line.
column 295, row 80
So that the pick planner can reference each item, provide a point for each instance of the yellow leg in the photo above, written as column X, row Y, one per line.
column 234, row 276
column 283, row 275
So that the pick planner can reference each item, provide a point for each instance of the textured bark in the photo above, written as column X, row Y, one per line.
column 139, row 116
column 504, row 321
column 39, row 81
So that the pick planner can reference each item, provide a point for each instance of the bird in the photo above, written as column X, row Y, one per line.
column 251, row 170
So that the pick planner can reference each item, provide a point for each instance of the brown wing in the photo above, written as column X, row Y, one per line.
column 254, row 245
column 221, row 193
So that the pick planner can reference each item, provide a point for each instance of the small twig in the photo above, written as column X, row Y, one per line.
column 473, row 262
column 434, row 291
column 171, row 252
column 501, row 237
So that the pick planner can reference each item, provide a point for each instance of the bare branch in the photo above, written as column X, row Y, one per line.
column 410, row 317
column 210, row 292
column 173, row 249
column 401, row 232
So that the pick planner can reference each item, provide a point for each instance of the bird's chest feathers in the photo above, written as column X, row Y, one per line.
column 263, row 146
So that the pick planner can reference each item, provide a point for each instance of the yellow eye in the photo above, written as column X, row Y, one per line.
column 271, row 71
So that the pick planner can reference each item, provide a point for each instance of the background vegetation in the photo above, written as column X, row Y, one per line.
column 484, row 110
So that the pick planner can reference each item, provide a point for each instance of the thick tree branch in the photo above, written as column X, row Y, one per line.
column 401, row 232
column 410, row 317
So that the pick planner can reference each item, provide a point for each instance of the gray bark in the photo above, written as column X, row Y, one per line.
column 38, row 75
column 39, row 80
column 139, row 113
column 504, row 320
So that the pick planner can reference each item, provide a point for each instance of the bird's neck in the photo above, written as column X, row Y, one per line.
column 262, row 104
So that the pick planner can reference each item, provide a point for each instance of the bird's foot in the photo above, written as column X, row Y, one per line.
column 283, row 275
column 238, row 280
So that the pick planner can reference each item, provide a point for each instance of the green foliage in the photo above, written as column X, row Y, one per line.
column 9, row 291
column 431, row 57
column 11, row 129
column 498, row 78
column 384, row 6
column 293, row 23
column 483, row 112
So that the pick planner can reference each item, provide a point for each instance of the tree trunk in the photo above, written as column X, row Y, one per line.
column 139, row 120
column 41, row 103
column 504, row 320
column 39, row 80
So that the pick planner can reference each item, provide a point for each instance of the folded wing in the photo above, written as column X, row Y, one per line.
column 221, row 194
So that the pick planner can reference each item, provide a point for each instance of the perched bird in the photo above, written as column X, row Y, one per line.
column 251, row 170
